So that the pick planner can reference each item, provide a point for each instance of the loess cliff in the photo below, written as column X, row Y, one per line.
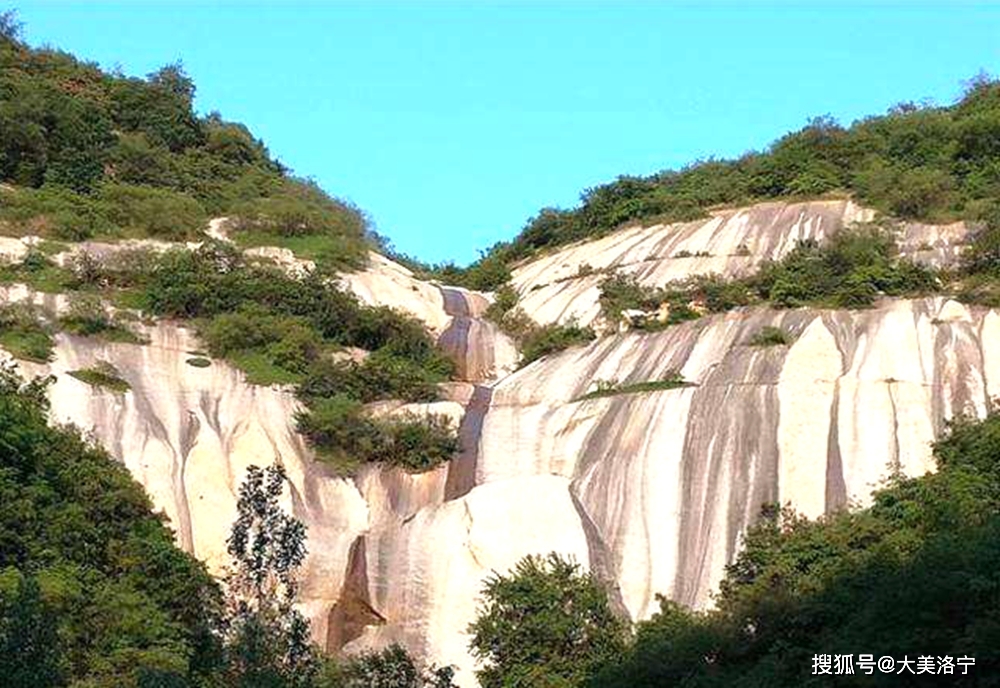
column 651, row 489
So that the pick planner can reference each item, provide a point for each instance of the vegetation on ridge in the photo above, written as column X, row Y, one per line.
column 88, row 154
column 931, row 163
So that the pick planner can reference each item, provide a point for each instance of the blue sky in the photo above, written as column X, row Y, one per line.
column 452, row 123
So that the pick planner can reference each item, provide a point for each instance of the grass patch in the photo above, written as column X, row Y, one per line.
column 38, row 273
column 771, row 336
column 198, row 362
column 27, row 343
column 24, row 334
column 102, row 375
column 260, row 370
column 328, row 250
column 609, row 388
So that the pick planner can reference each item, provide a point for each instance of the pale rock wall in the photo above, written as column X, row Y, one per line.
column 732, row 243
column 650, row 490
column 671, row 478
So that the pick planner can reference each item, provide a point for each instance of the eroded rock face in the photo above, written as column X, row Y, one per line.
column 651, row 490
column 480, row 350
column 565, row 285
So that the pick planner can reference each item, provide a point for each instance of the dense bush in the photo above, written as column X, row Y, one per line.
column 548, row 339
column 546, row 623
column 87, row 315
column 382, row 375
column 345, row 434
column 97, row 154
column 850, row 270
column 92, row 589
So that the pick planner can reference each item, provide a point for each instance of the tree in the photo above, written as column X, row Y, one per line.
column 175, row 79
column 267, row 638
column 393, row 667
column 30, row 652
column 10, row 27
column 545, row 624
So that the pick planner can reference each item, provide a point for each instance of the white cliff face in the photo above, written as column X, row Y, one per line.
column 651, row 490
column 731, row 243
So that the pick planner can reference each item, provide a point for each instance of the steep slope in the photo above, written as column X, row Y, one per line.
column 651, row 489
column 563, row 286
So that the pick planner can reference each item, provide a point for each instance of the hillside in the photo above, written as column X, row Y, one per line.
column 749, row 401
column 85, row 154
column 924, row 163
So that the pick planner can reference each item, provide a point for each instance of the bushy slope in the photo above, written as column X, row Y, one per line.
column 84, row 153
column 92, row 588
column 915, row 162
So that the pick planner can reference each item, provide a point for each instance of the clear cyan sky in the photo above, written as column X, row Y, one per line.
column 451, row 123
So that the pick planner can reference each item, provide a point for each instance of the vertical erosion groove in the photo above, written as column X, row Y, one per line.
column 462, row 469
column 353, row 611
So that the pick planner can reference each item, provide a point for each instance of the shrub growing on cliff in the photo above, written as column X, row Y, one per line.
column 549, row 339
column 24, row 333
column 382, row 375
column 546, row 623
column 850, row 270
column 769, row 335
column 343, row 433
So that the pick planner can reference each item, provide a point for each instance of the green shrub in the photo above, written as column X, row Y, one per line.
column 24, row 334
column 851, row 270
column 198, row 362
column 154, row 212
column 344, row 434
column 382, row 375
column 623, row 292
column 37, row 272
column 550, row 339
column 504, row 301
column 770, row 335
column 103, row 374
column 285, row 342
column 88, row 316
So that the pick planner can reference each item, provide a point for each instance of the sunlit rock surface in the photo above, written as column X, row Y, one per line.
column 651, row 490
column 564, row 285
